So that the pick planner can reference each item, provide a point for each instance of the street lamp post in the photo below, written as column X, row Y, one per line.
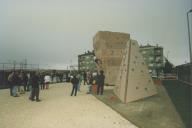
column 190, row 52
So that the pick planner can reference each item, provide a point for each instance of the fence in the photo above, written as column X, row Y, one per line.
column 7, row 68
column 184, row 73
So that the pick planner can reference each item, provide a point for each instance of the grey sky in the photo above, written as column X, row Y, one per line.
column 53, row 32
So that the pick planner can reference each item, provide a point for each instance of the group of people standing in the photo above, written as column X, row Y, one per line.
column 21, row 82
column 89, row 78
column 18, row 82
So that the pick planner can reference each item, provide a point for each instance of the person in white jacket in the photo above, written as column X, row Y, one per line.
column 47, row 81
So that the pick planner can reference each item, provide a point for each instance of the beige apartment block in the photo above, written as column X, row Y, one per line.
column 133, row 81
column 108, row 48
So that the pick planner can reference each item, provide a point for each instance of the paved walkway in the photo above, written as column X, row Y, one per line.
column 58, row 110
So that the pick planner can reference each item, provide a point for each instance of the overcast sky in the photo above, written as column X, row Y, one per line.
column 53, row 32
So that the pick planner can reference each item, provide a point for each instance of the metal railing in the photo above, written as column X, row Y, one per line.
column 7, row 68
column 184, row 73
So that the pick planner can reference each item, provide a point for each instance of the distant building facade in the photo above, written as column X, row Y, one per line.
column 86, row 62
column 153, row 56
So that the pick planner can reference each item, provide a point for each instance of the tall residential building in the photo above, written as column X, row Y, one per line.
column 86, row 62
column 153, row 56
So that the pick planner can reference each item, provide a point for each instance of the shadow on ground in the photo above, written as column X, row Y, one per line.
column 153, row 112
column 180, row 95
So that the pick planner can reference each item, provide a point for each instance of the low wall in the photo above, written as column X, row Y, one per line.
column 184, row 73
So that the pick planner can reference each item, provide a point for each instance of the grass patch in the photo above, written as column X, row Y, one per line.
column 152, row 112
column 180, row 95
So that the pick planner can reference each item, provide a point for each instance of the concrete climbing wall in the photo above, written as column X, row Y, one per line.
column 108, row 48
column 133, row 81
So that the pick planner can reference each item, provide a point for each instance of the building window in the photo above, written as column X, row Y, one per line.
column 158, row 59
column 143, row 52
column 150, row 58
column 150, row 65
column 158, row 51
column 158, row 65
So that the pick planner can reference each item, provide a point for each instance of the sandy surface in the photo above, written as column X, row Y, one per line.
column 58, row 110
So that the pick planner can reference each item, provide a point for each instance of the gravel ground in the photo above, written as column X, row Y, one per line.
column 58, row 110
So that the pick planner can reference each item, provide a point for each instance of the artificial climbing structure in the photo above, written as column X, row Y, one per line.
column 133, row 81
column 118, row 55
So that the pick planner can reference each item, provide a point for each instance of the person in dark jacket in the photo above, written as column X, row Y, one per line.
column 15, row 81
column 35, row 87
column 20, row 83
column 100, row 83
column 42, row 82
column 85, row 77
column 10, row 80
column 25, row 82
column 75, row 83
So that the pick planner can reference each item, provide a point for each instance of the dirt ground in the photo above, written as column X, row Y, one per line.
column 58, row 110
